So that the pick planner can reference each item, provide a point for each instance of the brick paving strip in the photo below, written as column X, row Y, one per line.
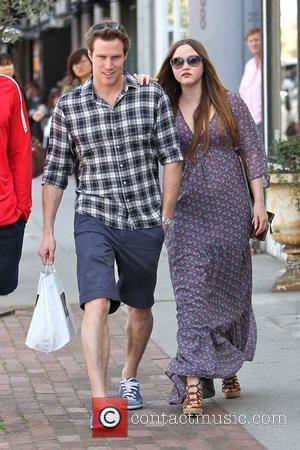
column 45, row 398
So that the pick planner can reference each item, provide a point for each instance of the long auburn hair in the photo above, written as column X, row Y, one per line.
column 213, row 93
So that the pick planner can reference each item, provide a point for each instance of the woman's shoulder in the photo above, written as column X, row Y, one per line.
column 233, row 97
column 235, row 101
column 69, row 87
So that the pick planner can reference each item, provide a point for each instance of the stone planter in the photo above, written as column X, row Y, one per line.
column 283, row 198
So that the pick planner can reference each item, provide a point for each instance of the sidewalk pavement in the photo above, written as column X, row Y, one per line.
column 45, row 398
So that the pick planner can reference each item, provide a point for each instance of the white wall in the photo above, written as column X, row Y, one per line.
column 145, row 36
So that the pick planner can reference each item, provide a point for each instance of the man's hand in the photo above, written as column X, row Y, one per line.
column 47, row 250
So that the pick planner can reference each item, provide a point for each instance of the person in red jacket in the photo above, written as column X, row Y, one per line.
column 15, row 180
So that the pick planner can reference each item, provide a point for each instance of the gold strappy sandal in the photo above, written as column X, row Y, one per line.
column 193, row 403
column 231, row 387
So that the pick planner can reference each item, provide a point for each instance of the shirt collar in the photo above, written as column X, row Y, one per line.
column 129, row 82
column 255, row 62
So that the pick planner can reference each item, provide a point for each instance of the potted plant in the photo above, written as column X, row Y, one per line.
column 283, row 198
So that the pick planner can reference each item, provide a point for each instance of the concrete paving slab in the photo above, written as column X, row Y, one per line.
column 271, row 383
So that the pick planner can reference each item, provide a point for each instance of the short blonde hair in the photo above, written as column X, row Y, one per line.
column 252, row 31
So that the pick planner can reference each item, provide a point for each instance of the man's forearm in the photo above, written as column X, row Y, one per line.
column 171, row 188
column 51, row 199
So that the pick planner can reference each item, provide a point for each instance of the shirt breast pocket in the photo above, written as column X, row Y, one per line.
column 138, row 131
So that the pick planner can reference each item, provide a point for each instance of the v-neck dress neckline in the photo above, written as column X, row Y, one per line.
column 187, row 125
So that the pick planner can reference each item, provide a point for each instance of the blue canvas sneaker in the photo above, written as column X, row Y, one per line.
column 130, row 389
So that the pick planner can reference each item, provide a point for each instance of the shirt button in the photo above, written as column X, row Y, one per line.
column 121, row 165
column 124, row 182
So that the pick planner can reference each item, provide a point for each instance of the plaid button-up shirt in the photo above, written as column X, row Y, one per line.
column 118, row 149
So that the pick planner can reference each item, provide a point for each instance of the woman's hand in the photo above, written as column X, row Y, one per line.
column 143, row 78
column 260, row 218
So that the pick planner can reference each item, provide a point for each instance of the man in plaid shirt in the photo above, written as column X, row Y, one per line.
column 118, row 132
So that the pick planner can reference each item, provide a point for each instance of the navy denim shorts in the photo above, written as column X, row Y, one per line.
column 135, row 252
column 11, row 242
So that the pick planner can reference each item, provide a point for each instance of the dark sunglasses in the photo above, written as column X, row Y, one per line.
column 192, row 61
column 102, row 26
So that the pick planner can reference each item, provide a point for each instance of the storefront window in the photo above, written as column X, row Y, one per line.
column 170, row 22
column 184, row 15
column 289, row 69
column 170, row 12
column 178, row 13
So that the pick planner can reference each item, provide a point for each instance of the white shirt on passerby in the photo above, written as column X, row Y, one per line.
column 250, row 89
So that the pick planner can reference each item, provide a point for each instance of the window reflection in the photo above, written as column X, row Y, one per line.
column 170, row 12
column 184, row 14
column 178, row 13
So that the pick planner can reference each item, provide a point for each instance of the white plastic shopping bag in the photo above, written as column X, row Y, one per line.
column 52, row 324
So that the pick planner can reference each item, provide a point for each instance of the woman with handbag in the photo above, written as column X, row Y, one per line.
column 208, row 239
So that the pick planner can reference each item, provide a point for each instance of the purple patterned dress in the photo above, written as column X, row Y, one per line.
column 209, row 255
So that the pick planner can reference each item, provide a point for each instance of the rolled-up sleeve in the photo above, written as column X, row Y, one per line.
column 59, row 160
column 167, row 140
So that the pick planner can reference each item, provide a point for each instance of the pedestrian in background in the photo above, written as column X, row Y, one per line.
column 34, row 99
column 79, row 69
column 15, row 181
column 7, row 67
column 45, row 117
column 211, row 271
column 119, row 132
column 37, row 110
column 250, row 88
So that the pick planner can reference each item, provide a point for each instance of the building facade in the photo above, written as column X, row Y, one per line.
column 46, row 42
column 155, row 24
column 281, row 25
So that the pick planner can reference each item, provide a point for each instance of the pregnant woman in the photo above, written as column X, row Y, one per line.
column 208, row 243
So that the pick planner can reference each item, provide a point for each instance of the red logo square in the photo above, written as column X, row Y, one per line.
column 110, row 417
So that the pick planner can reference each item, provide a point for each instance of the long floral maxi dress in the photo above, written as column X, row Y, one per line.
column 209, row 255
